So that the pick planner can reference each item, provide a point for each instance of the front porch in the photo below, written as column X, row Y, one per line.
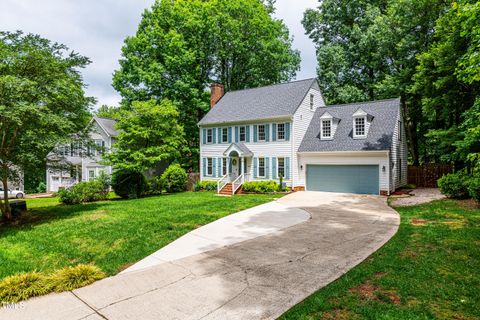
column 237, row 157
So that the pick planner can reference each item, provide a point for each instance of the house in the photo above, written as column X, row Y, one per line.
column 80, row 163
column 287, row 130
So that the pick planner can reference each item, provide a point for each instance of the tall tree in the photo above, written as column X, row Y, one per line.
column 183, row 46
column 149, row 133
column 42, row 103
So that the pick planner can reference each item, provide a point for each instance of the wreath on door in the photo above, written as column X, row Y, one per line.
column 234, row 162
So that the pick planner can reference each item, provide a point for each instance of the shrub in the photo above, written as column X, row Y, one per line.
column 41, row 188
column 155, row 186
column 454, row 185
column 205, row 185
column 175, row 178
column 261, row 186
column 474, row 188
column 105, row 181
column 90, row 191
column 129, row 184
column 27, row 285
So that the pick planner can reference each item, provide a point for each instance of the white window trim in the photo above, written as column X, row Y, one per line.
column 224, row 168
column 258, row 133
column 206, row 168
column 278, row 167
column 355, row 136
column 221, row 135
column 330, row 137
column 244, row 133
column 284, row 131
column 264, row 168
column 206, row 138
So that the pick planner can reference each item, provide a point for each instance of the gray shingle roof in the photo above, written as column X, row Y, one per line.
column 379, row 137
column 108, row 125
column 260, row 103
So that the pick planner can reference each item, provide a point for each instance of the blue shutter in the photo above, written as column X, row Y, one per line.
column 267, row 132
column 274, row 132
column 219, row 131
column 214, row 167
column 236, row 134
column 255, row 166
column 287, row 168
column 204, row 160
column 229, row 134
column 214, row 135
column 247, row 132
column 267, row 168
column 220, row 167
column 287, row 131
column 204, row 133
column 255, row 130
column 274, row 168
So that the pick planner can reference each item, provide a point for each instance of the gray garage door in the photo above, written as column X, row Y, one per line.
column 349, row 178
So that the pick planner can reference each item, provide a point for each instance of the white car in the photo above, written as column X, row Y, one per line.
column 12, row 193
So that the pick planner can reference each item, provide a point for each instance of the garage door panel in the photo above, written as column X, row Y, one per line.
column 362, row 179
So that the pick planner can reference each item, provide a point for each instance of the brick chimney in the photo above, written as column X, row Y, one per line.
column 216, row 93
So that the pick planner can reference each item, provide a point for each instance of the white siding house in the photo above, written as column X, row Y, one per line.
column 286, row 129
column 83, row 163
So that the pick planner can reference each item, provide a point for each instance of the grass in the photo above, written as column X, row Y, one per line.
column 111, row 234
column 429, row 270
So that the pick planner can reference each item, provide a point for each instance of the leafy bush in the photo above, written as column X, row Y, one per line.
column 205, row 185
column 41, row 188
column 261, row 186
column 474, row 188
column 175, row 178
column 26, row 285
column 454, row 185
column 129, row 184
column 105, row 181
column 156, row 186
column 90, row 191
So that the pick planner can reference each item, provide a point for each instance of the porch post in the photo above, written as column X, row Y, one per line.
column 228, row 166
column 243, row 166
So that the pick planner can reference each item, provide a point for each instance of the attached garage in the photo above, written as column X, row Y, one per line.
column 362, row 179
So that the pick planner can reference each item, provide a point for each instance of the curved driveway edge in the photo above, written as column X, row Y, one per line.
column 235, row 228
column 259, row 278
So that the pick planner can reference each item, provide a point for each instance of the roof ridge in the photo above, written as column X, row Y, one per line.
column 272, row 85
column 358, row 103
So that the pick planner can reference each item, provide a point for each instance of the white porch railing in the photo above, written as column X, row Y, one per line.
column 223, row 182
column 237, row 183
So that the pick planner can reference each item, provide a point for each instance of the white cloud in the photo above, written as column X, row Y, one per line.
column 97, row 29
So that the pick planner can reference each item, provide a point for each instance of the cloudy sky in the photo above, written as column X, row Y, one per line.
column 97, row 28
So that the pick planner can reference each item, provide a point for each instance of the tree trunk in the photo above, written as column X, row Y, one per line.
column 411, row 126
column 5, row 207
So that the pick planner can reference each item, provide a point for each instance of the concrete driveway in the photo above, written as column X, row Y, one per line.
column 260, row 278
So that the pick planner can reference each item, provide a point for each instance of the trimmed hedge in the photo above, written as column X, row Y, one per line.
column 205, row 185
column 454, row 185
column 174, row 179
column 261, row 186
column 129, row 184
column 82, row 192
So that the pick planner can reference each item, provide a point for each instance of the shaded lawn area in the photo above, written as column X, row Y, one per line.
column 429, row 270
column 111, row 234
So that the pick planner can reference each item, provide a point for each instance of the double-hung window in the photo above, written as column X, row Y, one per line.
column 224, row 166
column 209, row 166
column 281, row 167
column 91, row 174
column 261, row 132
column 224, row 135
column 209, row 135
column 261, row 167
column 281, row 131
column 360, row 127
column 242, row 134
column 326, row 128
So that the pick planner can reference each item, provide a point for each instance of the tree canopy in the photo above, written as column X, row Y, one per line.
column 183, row 46
column 42, row 102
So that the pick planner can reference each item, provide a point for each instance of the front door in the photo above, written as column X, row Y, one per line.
column 235, row 165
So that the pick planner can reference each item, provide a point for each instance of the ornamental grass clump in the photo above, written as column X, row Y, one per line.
column 70, row 278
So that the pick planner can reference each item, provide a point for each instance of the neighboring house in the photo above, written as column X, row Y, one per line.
column 286, row 130
column 83, row 162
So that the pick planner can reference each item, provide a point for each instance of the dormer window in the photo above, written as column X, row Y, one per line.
column 326, row 129
column 360, row 127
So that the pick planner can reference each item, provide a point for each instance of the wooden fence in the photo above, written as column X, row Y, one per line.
column 427, row 175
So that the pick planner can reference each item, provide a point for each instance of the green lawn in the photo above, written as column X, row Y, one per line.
column 111, row 234
column 429, row 270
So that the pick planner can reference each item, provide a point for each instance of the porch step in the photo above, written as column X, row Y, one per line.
column 227, row 190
